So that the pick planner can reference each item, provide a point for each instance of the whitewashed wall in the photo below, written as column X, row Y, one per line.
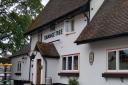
column 66, row 46
column 24, row 68
column 52, row 66
column 52, row 72
column 90, row 75
column 33, row 41
column 38, row 56
column 94, row 7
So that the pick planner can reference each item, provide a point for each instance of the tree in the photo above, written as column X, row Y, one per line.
column 15, row 17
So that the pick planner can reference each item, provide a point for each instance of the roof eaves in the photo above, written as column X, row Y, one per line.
column 101, row 38
column 67, row 14
column 48, row 56
column 13, row 56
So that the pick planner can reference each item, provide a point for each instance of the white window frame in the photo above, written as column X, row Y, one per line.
column 68, row 71
column 68, row 30
column 117, row 60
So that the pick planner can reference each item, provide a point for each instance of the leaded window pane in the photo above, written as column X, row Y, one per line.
column 70, row 63
column 64, row 63
column 75, row 62
column 123, row 59
column 112, row 60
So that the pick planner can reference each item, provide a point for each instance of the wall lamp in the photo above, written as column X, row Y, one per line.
column 34, row 53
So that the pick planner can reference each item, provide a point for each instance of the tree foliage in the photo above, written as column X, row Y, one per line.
column 73, row 81
column 15, row 17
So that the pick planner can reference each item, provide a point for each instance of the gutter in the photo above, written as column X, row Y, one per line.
column 87, row 16
column 45, row 60
column 101, row 38
column 30, row 69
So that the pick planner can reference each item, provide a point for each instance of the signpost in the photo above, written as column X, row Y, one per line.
column 6, row 71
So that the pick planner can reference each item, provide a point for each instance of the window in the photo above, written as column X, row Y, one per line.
column 19, row 66
column 75, row 63
column 112, row 60
column 70, row 63
column 64, row 63
column 118, row 60
column 123, row 59
column 69, row 25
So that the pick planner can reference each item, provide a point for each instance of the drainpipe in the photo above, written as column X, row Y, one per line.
column 88, row 19
column 30, row 68
column 89, row 9
column 88, row 16
column 45, row 60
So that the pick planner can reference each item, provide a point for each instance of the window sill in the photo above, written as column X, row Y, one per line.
column 115, row 75
column 69, row 74
column 18, row 73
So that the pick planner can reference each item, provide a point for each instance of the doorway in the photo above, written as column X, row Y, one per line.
column 38, row 70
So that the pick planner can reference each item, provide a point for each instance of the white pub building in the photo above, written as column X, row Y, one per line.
column 85, row 39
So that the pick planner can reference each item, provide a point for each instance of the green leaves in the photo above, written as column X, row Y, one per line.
column 13, row 28
column 73, row 81
column 15, row 17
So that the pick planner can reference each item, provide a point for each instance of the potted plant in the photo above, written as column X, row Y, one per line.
column 73, row 81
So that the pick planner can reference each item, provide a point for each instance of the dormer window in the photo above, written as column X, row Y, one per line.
column 69, row 26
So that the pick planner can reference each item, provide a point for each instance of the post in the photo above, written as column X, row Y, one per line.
column 5, row 74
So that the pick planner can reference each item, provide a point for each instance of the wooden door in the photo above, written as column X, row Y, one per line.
column 38, row 70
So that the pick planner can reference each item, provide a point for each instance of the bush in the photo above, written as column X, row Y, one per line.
column 73, row 81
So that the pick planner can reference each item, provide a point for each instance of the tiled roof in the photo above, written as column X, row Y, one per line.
column 5, row 60
column 47, row 50
column 55, row 9
column 25, row 50
column 111, row 21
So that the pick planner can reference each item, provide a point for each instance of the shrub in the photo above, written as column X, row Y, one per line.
column 73, row 81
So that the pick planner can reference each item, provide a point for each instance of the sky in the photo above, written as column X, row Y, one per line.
column 44, row 2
